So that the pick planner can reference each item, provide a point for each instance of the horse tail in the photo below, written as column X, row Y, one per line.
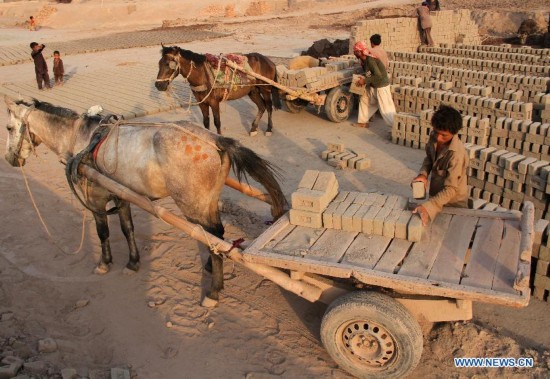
column 275, row 97
column 244, row 161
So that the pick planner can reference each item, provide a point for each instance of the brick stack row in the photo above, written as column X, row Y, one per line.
column 503, row 48
column 541, row 261
column 315, row 205
column 490, row 55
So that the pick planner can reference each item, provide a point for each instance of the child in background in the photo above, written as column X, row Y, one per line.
column 40, row 65
column 32, row 24
column 58, row 70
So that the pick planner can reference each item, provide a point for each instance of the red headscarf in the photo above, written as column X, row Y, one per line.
column 361, row 47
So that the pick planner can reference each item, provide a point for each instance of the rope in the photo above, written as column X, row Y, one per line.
column 50, row 237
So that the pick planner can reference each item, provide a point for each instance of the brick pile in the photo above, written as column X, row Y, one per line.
column 503, row 48
column 541, row 261
column 402, row 33
column 489, row 55
column 334, row 72
column 315, row 205
column 339, row 157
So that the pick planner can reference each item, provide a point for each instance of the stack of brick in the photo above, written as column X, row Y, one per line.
column 316, row 205
column 508, row 179
column 504, row 48
column 339, row 157
column 409, row 130
column 402, row 34
column 336, row 71
column 542, row 107
column 541, row 260
column 315, row 191
column 470, row 63
column 480, row 54
column 526, row 137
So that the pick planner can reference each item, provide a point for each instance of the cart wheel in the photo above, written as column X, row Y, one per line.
column 338, row 104
column 295, row 106
column 371, row 335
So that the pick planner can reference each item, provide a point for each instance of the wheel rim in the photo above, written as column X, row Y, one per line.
column 342, row 105
column 367, row 343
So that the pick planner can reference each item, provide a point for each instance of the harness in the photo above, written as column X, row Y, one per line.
column 24, row 130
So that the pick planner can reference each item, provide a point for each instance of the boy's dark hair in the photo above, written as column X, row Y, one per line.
column 448, row 119
column 33, row 44
column 31, row 17
column 375, row 39
column 56, row 52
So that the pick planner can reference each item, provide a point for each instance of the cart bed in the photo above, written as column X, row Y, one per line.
column 465, row 254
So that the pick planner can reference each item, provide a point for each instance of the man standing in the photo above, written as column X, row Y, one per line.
column 376, row 49
column 423, row 12
column 378, row 93
column 446, row 161
column 40, row 65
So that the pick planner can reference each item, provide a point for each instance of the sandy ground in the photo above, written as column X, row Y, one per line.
column 258, row 330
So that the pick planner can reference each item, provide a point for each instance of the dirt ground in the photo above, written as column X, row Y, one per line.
column 151, row 322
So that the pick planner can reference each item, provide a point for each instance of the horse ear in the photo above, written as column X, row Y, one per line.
column 10, row 102
column 161, row 44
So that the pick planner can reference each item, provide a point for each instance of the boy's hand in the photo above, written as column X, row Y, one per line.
column 421, row 178
column 423, row 213
column 360, row 82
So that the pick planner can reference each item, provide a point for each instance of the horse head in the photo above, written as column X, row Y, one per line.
column 169, row 67
column 20, row 138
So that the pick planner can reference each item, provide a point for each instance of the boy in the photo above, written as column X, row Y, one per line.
column 32, row 24
column 58, row 69
column 40, row 66
column 447, row 161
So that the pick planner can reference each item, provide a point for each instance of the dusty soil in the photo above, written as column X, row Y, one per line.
column 151, row 322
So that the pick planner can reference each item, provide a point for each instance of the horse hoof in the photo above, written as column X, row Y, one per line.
column 133, row 266
column 268, row 134
column 253, row 134
column 128, row 271
column 101, row 269
column 208, row 302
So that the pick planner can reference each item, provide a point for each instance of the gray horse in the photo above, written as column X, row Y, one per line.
column 183, row 161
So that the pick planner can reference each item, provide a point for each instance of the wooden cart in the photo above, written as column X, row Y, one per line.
column 378, row 287
column 335, row 98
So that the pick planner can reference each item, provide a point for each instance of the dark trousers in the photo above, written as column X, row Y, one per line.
column 43, row 77
column 58, row 78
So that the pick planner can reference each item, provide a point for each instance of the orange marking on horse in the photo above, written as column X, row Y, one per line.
column 198, row 147
column 196, row 157
column 188, row 150
column 205, row 156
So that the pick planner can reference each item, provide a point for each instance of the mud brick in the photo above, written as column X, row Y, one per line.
column 503, row 158
column 499, row 181
column 304, row 218
column 539, row 204
column 536, row 182
column 524, row 165
column 493, row 188
column 476, row 164
column 542, row 282
column 361, row 198
column 308, row 180
column 324, row 154
column 542, row 267
column 342, row 195
column 513, row 195
column 415, row 228
column 514, row 176
column 311, row 200
column 485, row 154
column 360, row 153
column 327, row 215
column 351, row 162
column 518, row 187
column 496, row 199
column 535, row 167
column 325, row 182
column 544, row 253
column 388, row 229
column 493, row 168
column 352, row 196
column 401, row 224
column 357, row 223
column 347, row 217
column 332, row 154
column 512, row 162
column 540, row 229
column 339, row 156
column 367, row 221
column 337, row 163
column 476, row 192
column 475, row 182
column 378, row 225
column 363, row 164
column 338, row 213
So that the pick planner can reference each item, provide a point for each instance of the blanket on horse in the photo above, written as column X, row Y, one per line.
column 228, row 77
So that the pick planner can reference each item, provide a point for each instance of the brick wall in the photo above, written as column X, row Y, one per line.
column 402, row 33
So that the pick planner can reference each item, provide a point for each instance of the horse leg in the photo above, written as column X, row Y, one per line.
column 102, row 227
column 216, row 261
column 127, row 226
column 266, row 95
column 205, row 109
column 215, row 105
column 256, row 98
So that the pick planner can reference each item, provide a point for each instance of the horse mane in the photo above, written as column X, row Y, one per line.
column 49, row 108
column 187, row 54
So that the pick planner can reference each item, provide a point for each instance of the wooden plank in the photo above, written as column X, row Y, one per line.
column 508, row 256
column 366, row 250
column 393, row 255
column 450, row 261
column 481, row 268
column 270, row 233
column 511, row 215
column 298, row 241
column 331, row 246
column 420, row 260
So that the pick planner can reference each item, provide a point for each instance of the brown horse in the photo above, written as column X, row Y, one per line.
column 182, row 161
column 209, row 93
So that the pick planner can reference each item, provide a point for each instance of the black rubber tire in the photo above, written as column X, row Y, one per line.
column 371, row 318
column 295, row 106
column 339, row 104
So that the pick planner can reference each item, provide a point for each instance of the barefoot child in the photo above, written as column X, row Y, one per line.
column 58, row 69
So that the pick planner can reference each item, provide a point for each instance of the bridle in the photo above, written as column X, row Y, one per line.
column 25, row 130
column 175, row 65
